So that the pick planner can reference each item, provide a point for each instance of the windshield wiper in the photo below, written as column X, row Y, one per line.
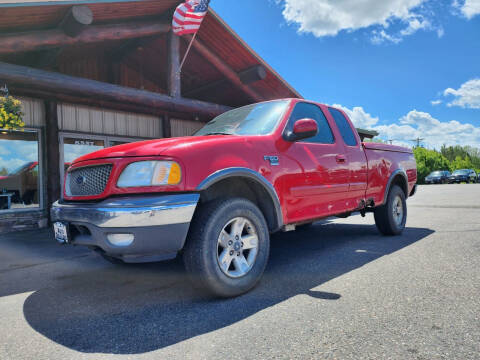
column 217, row 133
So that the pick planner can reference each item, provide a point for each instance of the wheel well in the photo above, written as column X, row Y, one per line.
column 244, row 188
column 400, row 181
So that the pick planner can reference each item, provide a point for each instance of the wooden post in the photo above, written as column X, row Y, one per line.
column 52, row 153
column 167, row 126
column 173, row 76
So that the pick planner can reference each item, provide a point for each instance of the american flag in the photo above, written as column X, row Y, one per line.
column 189, row 16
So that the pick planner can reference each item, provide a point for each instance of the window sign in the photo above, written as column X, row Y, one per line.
column 74, row 148
column 84, row 142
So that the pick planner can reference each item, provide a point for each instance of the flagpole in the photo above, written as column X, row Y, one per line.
column 188, row 50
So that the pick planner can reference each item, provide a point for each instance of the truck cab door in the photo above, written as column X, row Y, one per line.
column 316, row 178
column 357, row 160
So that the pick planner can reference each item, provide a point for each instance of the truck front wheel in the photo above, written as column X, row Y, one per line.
column 391, row 217
column 227, row 247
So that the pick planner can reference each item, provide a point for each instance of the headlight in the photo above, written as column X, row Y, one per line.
column 150, row 173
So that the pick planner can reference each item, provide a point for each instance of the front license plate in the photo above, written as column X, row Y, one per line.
column 61, row 232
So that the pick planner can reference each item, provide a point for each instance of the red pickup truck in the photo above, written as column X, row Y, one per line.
column 216, row 197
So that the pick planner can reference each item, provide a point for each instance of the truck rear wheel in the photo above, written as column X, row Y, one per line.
column 228, row 247
column 391, row 217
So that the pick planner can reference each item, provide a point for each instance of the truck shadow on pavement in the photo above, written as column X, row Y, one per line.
column 135, row 309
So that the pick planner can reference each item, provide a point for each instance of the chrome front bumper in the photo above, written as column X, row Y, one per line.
column 159, row 224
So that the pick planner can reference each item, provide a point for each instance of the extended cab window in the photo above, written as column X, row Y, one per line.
column 312, row 111
column 344, row 127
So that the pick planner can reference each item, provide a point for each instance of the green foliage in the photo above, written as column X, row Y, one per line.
column 428, row 161
column 11, row 116
column 449, row 158
column 3, row 171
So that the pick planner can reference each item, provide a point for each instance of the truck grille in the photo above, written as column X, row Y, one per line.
column 87, row 181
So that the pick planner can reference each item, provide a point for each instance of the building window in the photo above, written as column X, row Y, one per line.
column 20, row 174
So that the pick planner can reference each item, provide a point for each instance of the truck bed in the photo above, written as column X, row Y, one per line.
column 382, row 161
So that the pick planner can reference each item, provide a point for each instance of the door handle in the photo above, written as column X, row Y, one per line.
column 340, row 159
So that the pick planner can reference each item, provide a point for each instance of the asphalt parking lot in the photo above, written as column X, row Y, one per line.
column 336, row 291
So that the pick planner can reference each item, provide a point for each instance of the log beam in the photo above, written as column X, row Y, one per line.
column 253, row 74
column 225, row 69
column 76, row 20
column 51, row 83
column 248, row 76
column 49, row 39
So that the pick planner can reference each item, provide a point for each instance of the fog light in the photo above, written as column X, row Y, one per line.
column 120, row 239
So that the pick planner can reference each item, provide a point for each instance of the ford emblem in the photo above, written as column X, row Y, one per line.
column 81, row 180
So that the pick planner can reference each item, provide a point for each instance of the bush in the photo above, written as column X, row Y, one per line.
column 11, row 116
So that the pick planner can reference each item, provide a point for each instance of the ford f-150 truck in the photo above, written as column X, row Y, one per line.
column 216, row 197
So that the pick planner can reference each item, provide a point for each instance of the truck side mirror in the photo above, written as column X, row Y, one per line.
column 303, row 129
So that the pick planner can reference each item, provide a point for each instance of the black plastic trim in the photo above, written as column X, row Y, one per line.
column 249, row 174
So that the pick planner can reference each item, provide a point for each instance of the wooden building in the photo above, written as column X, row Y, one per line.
column 93, row 74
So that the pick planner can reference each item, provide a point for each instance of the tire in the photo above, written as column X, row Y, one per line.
column 212, row 266
column 387, row 223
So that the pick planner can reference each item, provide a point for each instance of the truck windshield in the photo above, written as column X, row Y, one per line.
column 256, row 119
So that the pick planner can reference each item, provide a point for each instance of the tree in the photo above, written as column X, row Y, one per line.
column 428, row 161
column 3, row 171
column 461, row 163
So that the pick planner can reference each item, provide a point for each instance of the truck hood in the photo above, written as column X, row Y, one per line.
column 166, row 147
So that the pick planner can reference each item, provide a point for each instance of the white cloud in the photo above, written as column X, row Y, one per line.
column 381, row 36
column 415, row 23
column 436, row 102
column 329, row 17
column 469, row 8
column 418, row 124
column 15, row 153
column 11, row 164
column 468, row 96
column 359, row 117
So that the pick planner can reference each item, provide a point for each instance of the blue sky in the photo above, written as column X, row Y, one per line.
column 382, row 61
